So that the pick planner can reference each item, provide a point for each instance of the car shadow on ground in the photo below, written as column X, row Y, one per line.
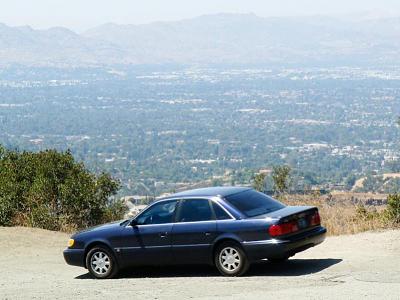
column 292, row 267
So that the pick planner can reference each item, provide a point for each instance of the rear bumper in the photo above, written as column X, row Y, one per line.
column 75, row 257
column 275, row 248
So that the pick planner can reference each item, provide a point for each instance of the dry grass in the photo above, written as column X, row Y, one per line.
column 341, row 216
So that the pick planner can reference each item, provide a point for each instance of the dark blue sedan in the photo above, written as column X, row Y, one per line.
column 229, row 227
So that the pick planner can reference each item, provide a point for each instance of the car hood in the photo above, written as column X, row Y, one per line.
column 102, row 227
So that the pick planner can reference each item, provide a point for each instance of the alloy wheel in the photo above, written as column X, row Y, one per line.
column 100, row 263
column 229, row 259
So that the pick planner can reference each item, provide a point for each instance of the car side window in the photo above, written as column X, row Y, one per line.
column 194, row 210
column 220, row 213
column 160, row 213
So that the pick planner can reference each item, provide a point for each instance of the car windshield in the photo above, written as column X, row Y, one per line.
column 252, row 203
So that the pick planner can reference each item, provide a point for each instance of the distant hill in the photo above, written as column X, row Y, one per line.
column 210, row 39
column 55, row 46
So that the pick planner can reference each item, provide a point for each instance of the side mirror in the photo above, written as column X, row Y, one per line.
column 133, row 223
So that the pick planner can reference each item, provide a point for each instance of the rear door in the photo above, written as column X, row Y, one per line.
column 193, row 232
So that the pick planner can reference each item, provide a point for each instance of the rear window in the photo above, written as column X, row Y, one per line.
column 252, row 203
column 194, row 210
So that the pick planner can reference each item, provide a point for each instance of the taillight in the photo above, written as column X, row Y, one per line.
column 281, row 229
column 315, row 219
column 293, row 226
column 275, row 230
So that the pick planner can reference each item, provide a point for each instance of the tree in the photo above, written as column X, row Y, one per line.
column 350, row 181
column 281, row 178
column 259, row 182
column 50, row 190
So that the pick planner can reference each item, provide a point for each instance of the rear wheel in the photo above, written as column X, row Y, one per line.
column 101, row 263
column 230, row 259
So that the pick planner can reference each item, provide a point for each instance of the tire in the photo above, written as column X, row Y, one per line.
column 230, row 259
column 101, row 263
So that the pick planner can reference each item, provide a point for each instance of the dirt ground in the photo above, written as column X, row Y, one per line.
column 362, row 266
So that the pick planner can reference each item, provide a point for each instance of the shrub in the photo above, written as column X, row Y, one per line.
column 50, row 190
column 7, row 211
column 281, row 178
column 259, row 182
column 364, row 214
column 393, row 208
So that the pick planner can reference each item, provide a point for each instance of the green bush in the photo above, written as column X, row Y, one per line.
column 50, row 190
column 7, row 211
column 393, row 207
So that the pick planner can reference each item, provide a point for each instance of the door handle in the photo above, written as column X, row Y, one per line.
column 163, row 234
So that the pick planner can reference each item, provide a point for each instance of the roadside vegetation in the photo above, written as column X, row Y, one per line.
column 50, row 190
column 339, row 215
column 343, row 217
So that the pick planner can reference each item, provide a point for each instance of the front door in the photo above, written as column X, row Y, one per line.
column 149, row 241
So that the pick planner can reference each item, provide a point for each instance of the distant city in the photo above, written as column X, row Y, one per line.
column 165, row 128
column 211, row 100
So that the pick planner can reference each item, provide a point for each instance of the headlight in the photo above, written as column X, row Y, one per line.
column 70, row 243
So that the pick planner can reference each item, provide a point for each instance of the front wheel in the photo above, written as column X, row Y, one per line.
column 231, row 260
column 101, row 263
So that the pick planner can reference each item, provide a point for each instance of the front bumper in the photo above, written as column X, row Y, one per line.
column 75, row 257
column 275, row 248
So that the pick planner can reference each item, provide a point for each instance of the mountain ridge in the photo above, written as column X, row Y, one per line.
column 208, row 39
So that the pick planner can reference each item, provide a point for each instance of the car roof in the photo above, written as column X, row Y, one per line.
column 221, row 191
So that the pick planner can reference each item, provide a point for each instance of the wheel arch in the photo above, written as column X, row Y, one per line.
column 226, row 238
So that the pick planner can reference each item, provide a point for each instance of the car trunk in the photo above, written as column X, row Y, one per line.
column 295, row 219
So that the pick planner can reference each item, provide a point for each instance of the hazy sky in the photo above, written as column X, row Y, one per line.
column 82, row 14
